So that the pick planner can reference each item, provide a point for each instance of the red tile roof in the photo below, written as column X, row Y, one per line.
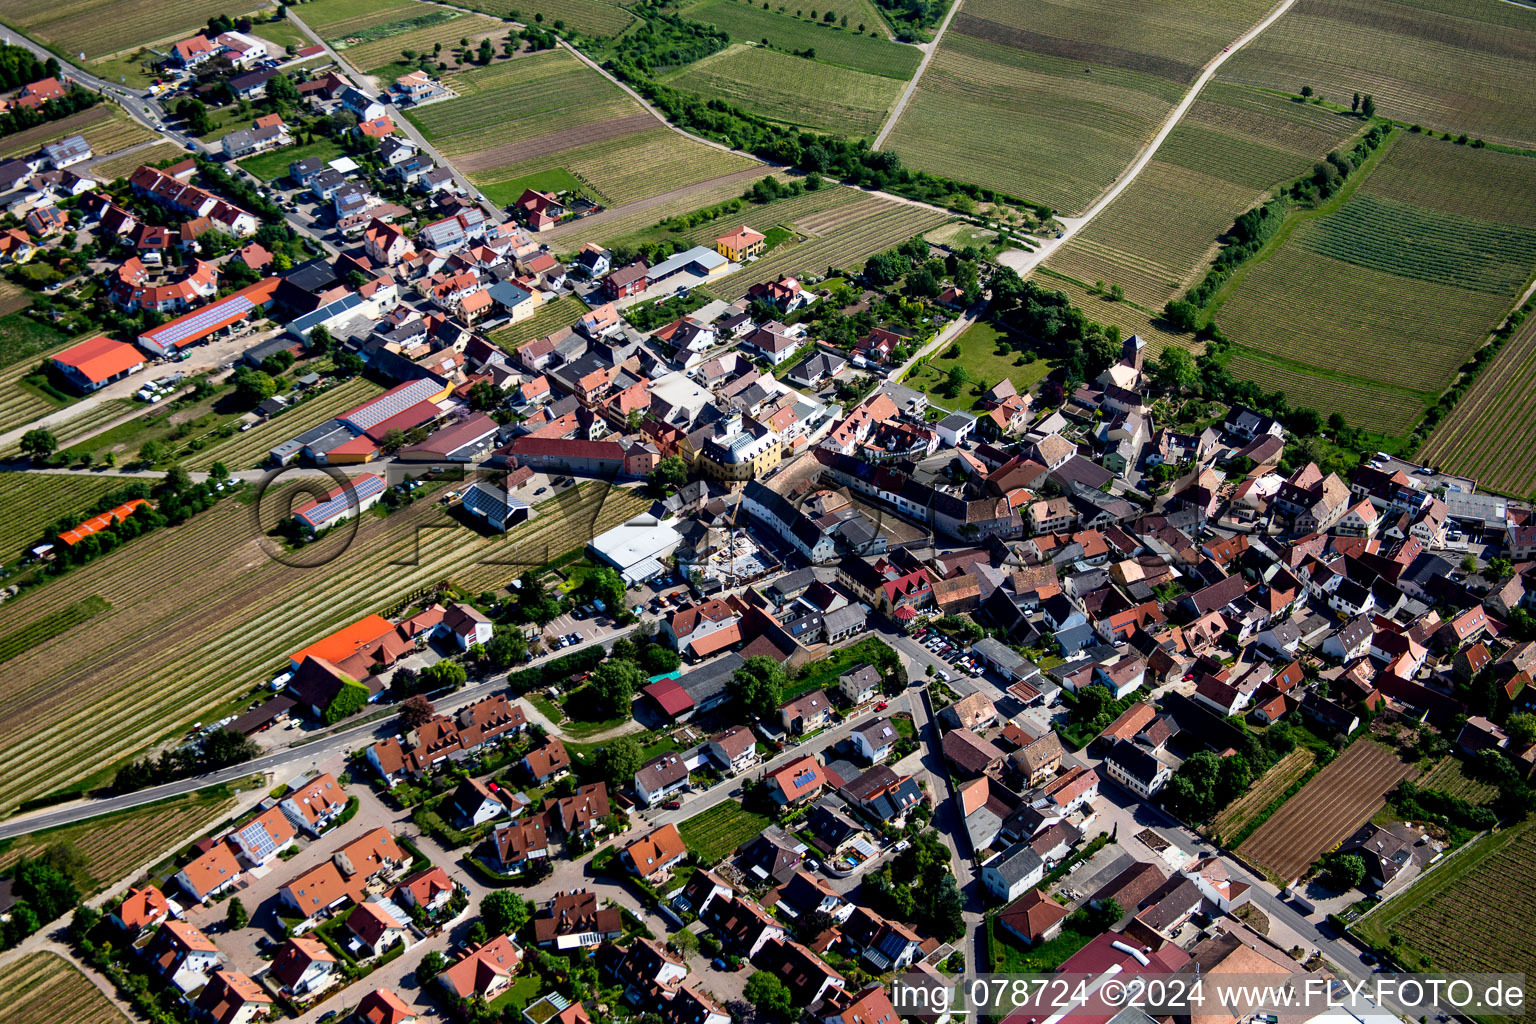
column 100, row 358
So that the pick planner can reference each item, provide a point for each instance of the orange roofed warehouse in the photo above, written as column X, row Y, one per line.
column 374, row 631
column 202, row 324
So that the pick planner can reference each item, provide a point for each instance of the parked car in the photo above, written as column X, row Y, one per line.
column 672, row 805
column 882, row 706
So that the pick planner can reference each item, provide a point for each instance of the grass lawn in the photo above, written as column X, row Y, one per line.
column 556, row 179
column 523, row 990
column 22, row 338
column 719, row 830
column 580, row 728
column 822, row 675
column 273, row 165
column 284, row 33
column 1010, row 956
column 976, row 350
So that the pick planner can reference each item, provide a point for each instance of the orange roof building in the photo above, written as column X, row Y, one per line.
column 655, row 852
column 92, row 365
column 345, row 642
column 96, row 524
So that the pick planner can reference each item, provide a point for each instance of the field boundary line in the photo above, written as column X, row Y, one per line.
column 922, row 65
column 1026, row 263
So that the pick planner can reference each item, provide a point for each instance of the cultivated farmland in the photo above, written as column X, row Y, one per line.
column 785, row 212
column 384, row 48
column 50, row 626
column 340, row 19
column 44, row 988
column 1491, row 434
column 115, row 845
column 249, row 450
column 844, row 237
column 589, row 17
column 104, row 126
column 500, row 132
column 1157, row 237
column 1457, row 232
column 1457, row 67
column 845, row 47
column 100, row 27
column 713, row 834
column 35, row 501
column 1338, row 800
column 202, row 614
column 791, row 89
column 119, row 166
column 1053, row 113
column 632, row 220
column 1451, row 776
column 1265, row 790
column 563, row 312
column 1471, row 912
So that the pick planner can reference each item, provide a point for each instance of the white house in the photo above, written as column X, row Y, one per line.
column 315, row 805
column 183, row 955
column 1013, row 872
column 1136, row 770
column 956, row 428
column 305, row 967
column 261, row 839
column 660, row 777
column 734, row 750
column 875, row 739
column 466, row 625
column 210, row 874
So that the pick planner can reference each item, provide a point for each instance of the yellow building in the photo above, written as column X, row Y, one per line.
column 736, row 453
column 741, row 244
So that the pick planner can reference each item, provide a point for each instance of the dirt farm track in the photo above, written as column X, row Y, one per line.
column 1338, row 800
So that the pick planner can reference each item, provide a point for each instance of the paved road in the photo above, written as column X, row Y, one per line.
column 1024, row 262
column 365, row 85
column 906, row 94
column 307, row 749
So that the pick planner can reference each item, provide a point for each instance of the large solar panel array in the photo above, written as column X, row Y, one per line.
column 364, row 487
column 391, row 403
column 206, row 319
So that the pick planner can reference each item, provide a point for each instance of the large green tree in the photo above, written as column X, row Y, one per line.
column 758, row 685
column 504, row 912
column 614, row 683
column 618, row 761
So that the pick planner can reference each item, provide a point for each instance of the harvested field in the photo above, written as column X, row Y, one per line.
column 589, row 17
column 121, row 166
column 117, row 845
column 1265, row 790
column 1457, row 234
column 100, row 27
column 1491, row 434
column 35, row 501
column 1456, row 67
column 1471, row 912
column 845, row 236
column 844, row 47
column 249, row 450
column 104, row 126
column 554, row 142
column 1054, row 113
column 202, row 615
column 1338, row 800
column 563, row 312
column 1450, row 776
column 13, row 297
column 44, row 988
column 385, row 50
column 789, row 89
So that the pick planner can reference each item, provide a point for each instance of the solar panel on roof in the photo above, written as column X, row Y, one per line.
column 327, row 510
column 258, row 840
column 390, row 404
column 203, row 320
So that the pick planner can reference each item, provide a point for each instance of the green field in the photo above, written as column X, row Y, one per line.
column 845, row 47
column 563, row 312
column 385, row 49
column 761, row 217
column 46, row 629
column 792, row 89
column 1448, row 225
column 1235, row 143
column 1472, row 912
column 841, row 237
column 976, row 350
column 588, row 17
column 1447, row 64
column 1055, row 111
column 104, row 126
column 714, row 834
column 44, row 988
column 1491, row 434
column 274, row 165
column 202, row 616
column 342, row 19
column 101, row 27
column 35, row 501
